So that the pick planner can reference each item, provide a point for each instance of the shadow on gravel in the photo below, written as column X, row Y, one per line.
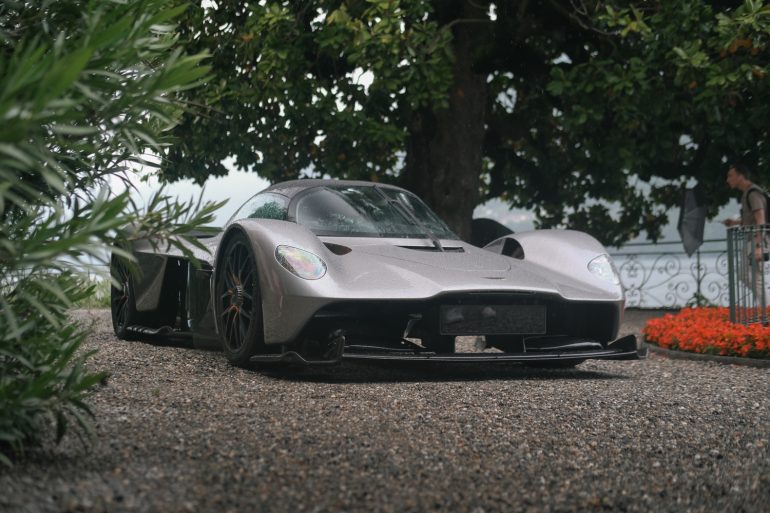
column 421, row 372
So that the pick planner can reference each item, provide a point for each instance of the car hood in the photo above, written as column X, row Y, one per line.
column 392, row 268
column 402, row 266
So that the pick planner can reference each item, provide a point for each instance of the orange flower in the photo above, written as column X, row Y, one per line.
column 708, row 330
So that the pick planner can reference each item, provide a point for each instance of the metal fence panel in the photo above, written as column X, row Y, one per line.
column 747, row 250
column 661, row 275
column 723, row 272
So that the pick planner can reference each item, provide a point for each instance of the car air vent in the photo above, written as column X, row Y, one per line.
column 337, row 249
column 447, row 249
column 513, row 249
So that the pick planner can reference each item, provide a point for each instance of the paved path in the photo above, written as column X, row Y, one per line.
column 180, row 430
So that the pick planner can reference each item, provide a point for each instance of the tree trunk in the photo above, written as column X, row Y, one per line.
column 444, row 152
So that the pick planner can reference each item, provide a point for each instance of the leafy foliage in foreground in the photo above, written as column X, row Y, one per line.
column 99, row 293
column 86, row 91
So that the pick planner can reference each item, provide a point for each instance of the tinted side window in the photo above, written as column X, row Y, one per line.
column 264, row 206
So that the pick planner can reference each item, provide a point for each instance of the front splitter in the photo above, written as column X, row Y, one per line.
column 622, row 349
column 625, row 348
column 501, row 357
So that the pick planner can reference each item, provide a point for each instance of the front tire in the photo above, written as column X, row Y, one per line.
column 238, row 302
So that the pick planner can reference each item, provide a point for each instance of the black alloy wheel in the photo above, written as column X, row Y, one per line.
column 122, row 300
column 238, row 302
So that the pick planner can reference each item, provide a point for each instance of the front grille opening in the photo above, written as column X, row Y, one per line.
column 384, row 322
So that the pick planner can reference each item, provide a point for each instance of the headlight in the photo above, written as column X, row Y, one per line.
column 602, row 267
column 301, row 263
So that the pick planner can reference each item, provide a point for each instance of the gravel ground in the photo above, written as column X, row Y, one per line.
column 178, row 429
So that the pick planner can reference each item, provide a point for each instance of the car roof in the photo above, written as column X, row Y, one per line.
column 293, row 187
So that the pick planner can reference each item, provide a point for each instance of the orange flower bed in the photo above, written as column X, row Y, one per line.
column 708, row 331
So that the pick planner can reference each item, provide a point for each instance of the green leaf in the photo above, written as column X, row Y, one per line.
column 74, row 130
column 63, row 74
column 111, row 34
column 555, row 88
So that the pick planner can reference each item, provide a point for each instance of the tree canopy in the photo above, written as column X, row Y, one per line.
column 591, row 113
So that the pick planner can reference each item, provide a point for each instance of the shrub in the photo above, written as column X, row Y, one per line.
column 87, row 92
column 98, row 293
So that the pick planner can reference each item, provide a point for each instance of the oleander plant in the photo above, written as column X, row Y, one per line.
column 87, row 93
column 708, row 331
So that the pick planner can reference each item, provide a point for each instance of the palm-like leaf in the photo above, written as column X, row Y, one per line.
column 87, row 92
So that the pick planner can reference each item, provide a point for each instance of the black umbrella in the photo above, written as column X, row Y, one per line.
column 692, row 220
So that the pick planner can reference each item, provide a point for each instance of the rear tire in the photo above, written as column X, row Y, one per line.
column 122, row 300
column 238, row 302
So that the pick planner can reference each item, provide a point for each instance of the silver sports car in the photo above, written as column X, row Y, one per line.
column 314, row 271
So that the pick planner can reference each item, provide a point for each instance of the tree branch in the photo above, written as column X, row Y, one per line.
column 466, row 20
column 572, row 16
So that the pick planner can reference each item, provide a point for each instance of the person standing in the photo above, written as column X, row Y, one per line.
column 753, row 204
column 753, row 218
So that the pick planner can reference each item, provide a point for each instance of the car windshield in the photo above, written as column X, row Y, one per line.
column 368, row 211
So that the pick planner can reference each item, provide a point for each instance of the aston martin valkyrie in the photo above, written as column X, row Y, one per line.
column 314, row 271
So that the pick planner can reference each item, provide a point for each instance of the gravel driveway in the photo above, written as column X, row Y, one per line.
column 180, row 430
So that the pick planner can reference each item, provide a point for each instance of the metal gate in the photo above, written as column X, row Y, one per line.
column 748, row 294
